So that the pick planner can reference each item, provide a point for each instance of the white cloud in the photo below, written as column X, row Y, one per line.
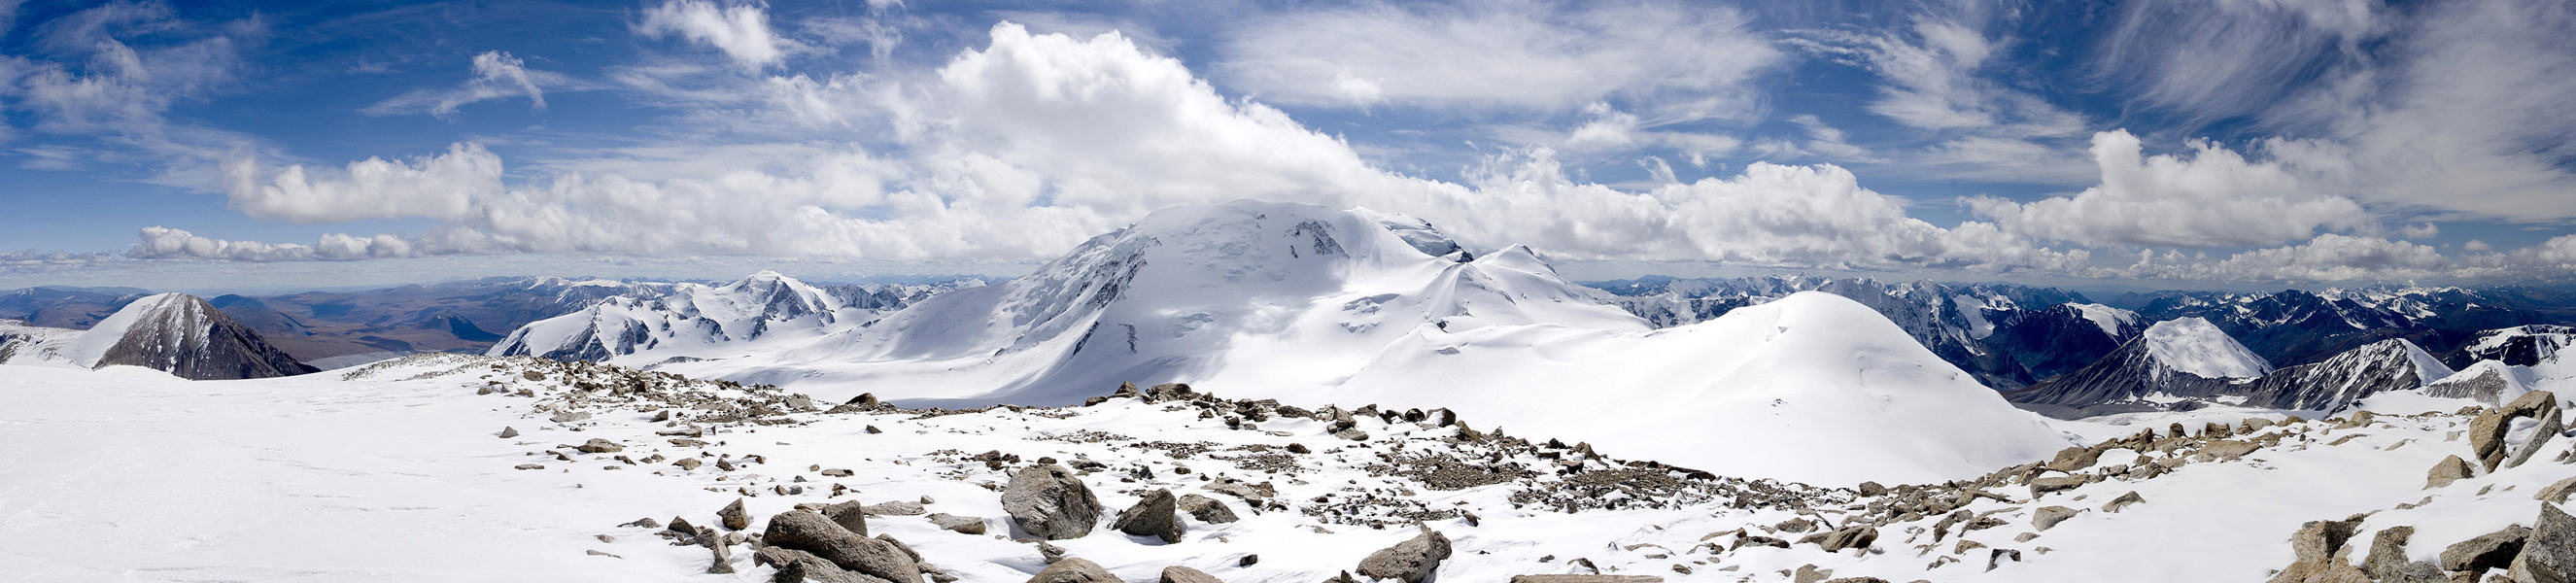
column 2421, row 231
column 2211, row 197
column 1933, row 80
column 442, row 186
column 109, row 75
column 2242, row 56
column 2328, row 257
column 497, row 75
column 740, row 30
column 1690, row 61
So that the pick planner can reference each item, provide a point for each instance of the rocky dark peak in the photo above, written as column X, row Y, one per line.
column 186, row 336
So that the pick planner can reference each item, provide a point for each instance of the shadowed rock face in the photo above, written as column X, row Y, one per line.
column 189, row 338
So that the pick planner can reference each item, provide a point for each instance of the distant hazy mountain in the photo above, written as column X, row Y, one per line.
column 176, row 333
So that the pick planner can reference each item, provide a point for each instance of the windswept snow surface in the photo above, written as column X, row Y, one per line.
column 2193, row 345
column 2111, row 320
column 394, row 472
column 1812, row 387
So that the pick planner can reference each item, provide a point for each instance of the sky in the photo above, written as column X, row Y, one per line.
column 2168, row 144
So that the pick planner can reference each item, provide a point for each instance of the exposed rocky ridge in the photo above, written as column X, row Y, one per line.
column 680, row 317
column 2133, row 380
column 175, row 333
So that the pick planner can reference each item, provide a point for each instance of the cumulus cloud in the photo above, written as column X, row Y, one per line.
column 497, row 75
column 741, row 31
column 440, row 186
column 2328, row 257
column 178, row 244
column 1692, row 60
column 2210, row 197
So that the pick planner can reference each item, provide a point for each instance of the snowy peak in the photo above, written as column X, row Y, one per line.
column 183, row 335
column 2521, row 345
column 2196, row 347
column 2114, row 322
column 690, row 319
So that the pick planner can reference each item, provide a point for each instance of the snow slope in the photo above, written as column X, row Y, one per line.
column 2111, row 320
column 1246, row 293
column 1812, row 387
column 2194, row 346
column 697, row 320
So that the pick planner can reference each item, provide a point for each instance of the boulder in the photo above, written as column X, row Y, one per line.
column 2487, row 432
column 1156, row 516
column 1180, row 574
column 2322, row 554
column 597, row 445
column 2487, row 551
column 2048, row 517
column 796, row 565
column 1411, row 561
column 806, row 531
column 1074, row 571
column 1050, row 502
column 2549, row 553
column 2387, row 560
column 2227, row 449
column 733, row 516
column 958, row 524
column 2074, row 458
column 2040, row 486
column 2123, row 501
column 2549, row 427
column 2450, row 469
column 1849, row 537
column 1207, row 510
column 2557, row 492
column 1586, row 579
column 850, row 515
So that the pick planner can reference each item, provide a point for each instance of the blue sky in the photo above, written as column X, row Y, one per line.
column 2170, row 144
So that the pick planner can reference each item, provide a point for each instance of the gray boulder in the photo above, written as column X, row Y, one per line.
column 806, row 531
column 733, row 516
column 2048, row 517
column 851, row 515
column 1156, row 516
column 2387, row 560
column 2450, row 469
column 1050, row 502
column 2123, row 501
column 2487, row 551
column 1205, row 509
column 1180, row 574
column 1074, row 571
column 958, row 524
column 2549, row 554
column 1411, row 561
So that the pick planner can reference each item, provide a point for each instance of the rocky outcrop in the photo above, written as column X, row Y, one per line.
column 1050, row 502
column 1074, row 571
column 2549, row 553
column 805, row 531
column 1180, row 574
column 2123, row 382
column 183, row 335
column 2487, row 432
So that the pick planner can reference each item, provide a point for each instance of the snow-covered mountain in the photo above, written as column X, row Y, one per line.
column 2007, row 335
column 2188, row 363
column 696, row 320
column 2520, row 345
column 1268, row 294
column 176, row 333
column 1308, row 305
column 2299, row 326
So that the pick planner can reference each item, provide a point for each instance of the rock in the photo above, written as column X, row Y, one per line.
column 734, row 517
column 597, row 445
column 1050, row 502
column 835, row 473
column 2557, row 492
column 1586, row 579
column 568, row 417
column 806, row 531
column 1180, row 574
column 851, row 515
column 2387, row 560
column 958, row 524
column 2048, row 517
column 2123, row 501
column 2487, row 551
column 1872, row 489
column 2487, row 432
column 897, row 508
column 1207, row 510
column 2549, row 427
column 509, row 432
column 1248, row 560
column 2227, row 449
column 2054, row 483
column 723, row 557
column 1996, row 558
column 1050, row 553
column 1074, row 571
column 1849, row 537
column 1155, row 516
column 528, row 467
column 795, row 565
column 688, row 463
column 2074, row 458
column 1411, row 561
column 2549, row 552
column 2450, row 469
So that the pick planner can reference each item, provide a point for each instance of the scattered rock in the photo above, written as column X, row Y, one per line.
column 1586, row 579
column 897, row 508
column 1074, row 571
column 958, row 524
column 2557, row 492
column 1051, row 502
column 2450, row 469
column 734, row 517
column 1996, row 559
column 2048, row 517
column 688, row 463
column 851, row 515
column 2387, row 560
column 2053, row 484
column 1180, row 574
column 2123, row 501
column 806, row 531
column 1872, row 489
column 2074, row 458
column 2321, row 553
column 1411, row 561
column 2549, row 552
column 568, row 417
column 1207, row 510
column 2487, row 551
column 1849, row 537
column 1155, row 516
column 597, row 445
column 509, row 432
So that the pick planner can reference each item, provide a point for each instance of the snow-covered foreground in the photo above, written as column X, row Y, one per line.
column 397, row 471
